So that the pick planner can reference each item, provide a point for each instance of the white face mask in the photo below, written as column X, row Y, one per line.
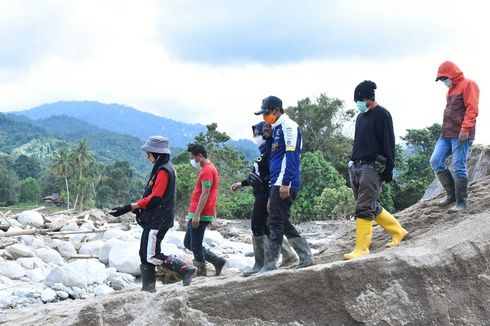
column 259, row 140
column 448, row 82
column 194, row 164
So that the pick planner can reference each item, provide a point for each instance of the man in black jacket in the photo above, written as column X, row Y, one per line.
column 372, row 162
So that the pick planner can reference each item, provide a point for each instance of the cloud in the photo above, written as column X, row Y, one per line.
column 275, row 32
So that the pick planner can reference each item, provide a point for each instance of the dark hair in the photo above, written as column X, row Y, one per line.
column 197, row 149
column 165, row 157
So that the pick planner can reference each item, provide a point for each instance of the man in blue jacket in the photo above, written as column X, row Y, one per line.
column 285, row 181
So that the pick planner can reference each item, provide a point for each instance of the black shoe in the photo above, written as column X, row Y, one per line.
column 148, row 278
column 217, row 261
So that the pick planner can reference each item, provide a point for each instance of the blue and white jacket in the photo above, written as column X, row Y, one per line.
column 285, row 153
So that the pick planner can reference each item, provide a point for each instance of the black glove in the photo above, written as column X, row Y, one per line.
column 120, row 210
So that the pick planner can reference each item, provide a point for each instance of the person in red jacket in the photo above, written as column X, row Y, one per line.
column 457, row 135
column 155, row 214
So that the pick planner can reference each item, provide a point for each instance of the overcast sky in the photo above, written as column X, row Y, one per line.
column 214, row 61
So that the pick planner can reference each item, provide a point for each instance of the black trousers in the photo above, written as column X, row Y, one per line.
column 150, row 245
column 259, row 213
column 279, row 215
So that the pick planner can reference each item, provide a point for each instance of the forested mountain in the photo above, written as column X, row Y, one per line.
column 125, row 120
column 121, row 119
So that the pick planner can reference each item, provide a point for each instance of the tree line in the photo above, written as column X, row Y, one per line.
column 82, row 182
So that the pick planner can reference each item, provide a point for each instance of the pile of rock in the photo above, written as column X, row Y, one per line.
column 47, row 258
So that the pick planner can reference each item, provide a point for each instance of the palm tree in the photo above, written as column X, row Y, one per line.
column 82, row 156
column 62, row 168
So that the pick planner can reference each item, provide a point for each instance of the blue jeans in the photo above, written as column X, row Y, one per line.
column 193, row 240
column 459, row 155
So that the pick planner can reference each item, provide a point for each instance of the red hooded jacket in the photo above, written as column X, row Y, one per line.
column 462, row 102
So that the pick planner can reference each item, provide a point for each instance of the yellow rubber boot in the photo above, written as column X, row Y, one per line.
column 364, row 233
column 391, row 225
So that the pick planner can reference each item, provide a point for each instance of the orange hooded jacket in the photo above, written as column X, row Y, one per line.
column 462, row 102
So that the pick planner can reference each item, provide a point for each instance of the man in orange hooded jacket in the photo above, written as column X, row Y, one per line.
column 457, row 135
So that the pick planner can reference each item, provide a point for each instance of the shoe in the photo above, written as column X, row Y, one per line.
column 391, row 225
column 287, row 254
column 186, row 272
column 258, row 243
column 447, row 181
column 461, row 195
column 148, row 278
column 217, row 261
column 300, row 245
column 364, row 234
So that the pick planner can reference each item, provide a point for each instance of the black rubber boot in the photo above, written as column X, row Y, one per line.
column 447, row 181
column 272, row 249
column 287, row 254
column 186, row 272
column 258, row 243
column 461, row 195
column 148, row 278
column 217, row 261
column 201, row 268
column 300, row 245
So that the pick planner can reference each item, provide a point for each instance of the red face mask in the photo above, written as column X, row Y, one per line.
column 269, row 118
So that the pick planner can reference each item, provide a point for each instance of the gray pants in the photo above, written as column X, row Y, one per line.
column 366, row 183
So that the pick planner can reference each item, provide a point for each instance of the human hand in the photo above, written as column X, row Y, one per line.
column 236, row 186
column 195, row 221
column 284, row 192
column 463, row 136
column 120, row 210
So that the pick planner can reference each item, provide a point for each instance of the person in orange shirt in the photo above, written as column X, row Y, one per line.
column 457, row 135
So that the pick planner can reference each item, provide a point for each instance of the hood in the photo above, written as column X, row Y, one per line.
column 450, row 70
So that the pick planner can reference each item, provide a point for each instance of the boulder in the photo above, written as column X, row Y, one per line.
column 12, row 270
column 32, row 263
column 36, row 275
column 19, row 250
column 106, row 248
column 119, row 281
column 92, row 270
column 118, row 234
column 125, row 258
column 67, row 276
column 32, row 218
column 91, row 248
column 48, row 295
column 65, row 248
column 49, row 256
column 102, row 289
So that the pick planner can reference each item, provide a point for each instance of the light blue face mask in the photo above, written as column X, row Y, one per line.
column 194, row 164
column 362, row 106
column 448, row 82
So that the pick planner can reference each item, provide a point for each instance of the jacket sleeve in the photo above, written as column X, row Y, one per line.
column 292, row 155
column 388, row 146
column 471, row 94
column 157, row 192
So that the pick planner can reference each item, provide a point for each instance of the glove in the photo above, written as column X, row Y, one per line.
column 120, row 210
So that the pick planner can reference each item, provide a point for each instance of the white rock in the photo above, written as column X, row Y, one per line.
column 175, row 237
column 125, row 258
column 49, row 256
column 93, row 270
column 171, row 249
column 19, row 250
column 118, row 234
column 87, row 226
column 70, row 227
column 67, row 276
column 33, row 241
column 48, row 295
column 65, row 248
column 91, row 248
column 102, row 290
column 62, row 295
column 33, row 218
column 32, row 262
column 4, row 280
column 36, row 275
column 106, row 248
column 120, row 281
column 11, row 269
